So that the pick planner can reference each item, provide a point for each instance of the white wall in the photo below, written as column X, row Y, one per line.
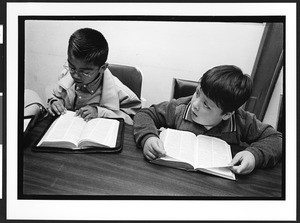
column 161, row 50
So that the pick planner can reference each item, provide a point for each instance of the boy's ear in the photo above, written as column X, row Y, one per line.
column 103, row 67
column 227, row 115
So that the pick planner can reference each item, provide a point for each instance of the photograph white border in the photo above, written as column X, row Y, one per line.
column 149, row 209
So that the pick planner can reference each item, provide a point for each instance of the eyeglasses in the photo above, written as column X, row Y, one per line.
column 79, row 73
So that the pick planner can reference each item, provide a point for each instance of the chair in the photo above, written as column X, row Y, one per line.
column 33, row 104
column 183, row 88
column 129, row 76
column 281, row 116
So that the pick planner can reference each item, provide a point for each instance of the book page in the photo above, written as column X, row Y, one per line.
column 179, row 145
column 220, row 171
column 102, row 131
column 65, row 128
column 212, row 152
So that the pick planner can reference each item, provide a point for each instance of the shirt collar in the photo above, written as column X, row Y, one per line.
column 67, row 81
column 93, row 86
column 110, row 97
column 187, row 113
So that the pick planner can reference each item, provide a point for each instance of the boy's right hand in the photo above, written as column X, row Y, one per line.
column 57, row 108
column 153, row 148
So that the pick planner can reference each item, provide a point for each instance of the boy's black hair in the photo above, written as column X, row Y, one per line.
column 89, row 45
column 227, row 86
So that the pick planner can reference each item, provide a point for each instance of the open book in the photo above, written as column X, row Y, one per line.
column 185, row 150
column 70, row 132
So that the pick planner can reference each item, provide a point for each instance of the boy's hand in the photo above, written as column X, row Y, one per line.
column 87, row 112
column 153, row 148
column 57, row 107
column 243, row 162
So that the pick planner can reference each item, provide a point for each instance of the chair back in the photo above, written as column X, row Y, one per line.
column 183, row 88
column 281, row 116
column 129, row 76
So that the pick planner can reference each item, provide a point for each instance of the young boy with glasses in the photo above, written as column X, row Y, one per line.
column 213, row 110
column 87, row 86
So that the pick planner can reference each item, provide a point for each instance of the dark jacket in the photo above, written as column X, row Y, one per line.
column 243, row 129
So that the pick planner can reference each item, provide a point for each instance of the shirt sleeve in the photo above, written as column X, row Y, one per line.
column 107, row 113
column 58, row 93
column 130, row 103
column 148, row 120
column 265, row 143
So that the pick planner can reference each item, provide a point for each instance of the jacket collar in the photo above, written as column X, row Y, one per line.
column 187, row 113
column 109, row 98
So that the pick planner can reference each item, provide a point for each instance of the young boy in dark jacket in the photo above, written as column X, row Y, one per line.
column 213, row 110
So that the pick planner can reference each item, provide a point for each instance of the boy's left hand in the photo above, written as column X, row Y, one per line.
column 243, row 163
column 87, row 112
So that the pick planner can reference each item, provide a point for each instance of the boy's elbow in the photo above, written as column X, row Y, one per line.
column 141, row 117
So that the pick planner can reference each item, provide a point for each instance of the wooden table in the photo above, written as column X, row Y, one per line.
column 128, row 175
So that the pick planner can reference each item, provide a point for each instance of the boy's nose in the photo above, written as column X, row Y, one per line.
column 196, row 104
column 75, row 74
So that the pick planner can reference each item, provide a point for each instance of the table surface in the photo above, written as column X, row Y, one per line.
column 128, row 175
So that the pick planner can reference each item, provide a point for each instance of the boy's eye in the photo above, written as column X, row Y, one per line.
column 72, row 69
column 83, row 73
column 206, row 105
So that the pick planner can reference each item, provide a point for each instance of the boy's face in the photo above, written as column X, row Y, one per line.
column 204, row 111
column 83, row 72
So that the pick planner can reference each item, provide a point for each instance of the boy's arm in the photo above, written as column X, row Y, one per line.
column 57, row 91
column 107, row 113
column 129, row 104
column 55, row 97
column 148, row 120
column 265, row 143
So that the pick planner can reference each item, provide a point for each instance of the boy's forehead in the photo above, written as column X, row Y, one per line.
column 210, row 102
column 80, row 62
column 198, row 88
